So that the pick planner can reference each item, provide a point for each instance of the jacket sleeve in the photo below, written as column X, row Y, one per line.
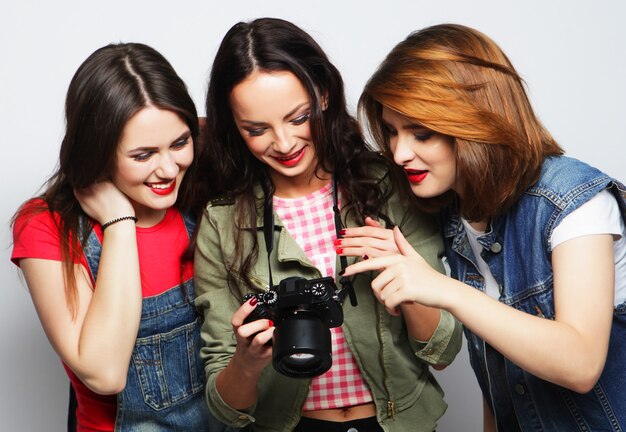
column 216, row 304
column 422, row 232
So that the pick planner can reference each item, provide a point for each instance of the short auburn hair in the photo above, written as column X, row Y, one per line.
column 456, row 81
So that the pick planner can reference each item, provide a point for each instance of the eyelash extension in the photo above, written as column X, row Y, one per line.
column 181, row 143
column 176, row 145
column 142, row 157
column 297, row 122
column 301, row 120
column 423, row 137
column 255, row 132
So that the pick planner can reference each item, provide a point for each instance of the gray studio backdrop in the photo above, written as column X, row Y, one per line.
column 571, row 54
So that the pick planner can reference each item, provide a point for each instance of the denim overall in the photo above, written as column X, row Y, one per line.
column 519, row 256
column 165, row 383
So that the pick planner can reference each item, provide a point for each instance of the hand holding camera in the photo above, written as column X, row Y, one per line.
column 303, row 311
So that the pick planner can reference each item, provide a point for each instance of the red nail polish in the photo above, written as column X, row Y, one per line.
column 365, row 257
column 342, row 232
column 253, row 301
column 337, row 242
column 339, row 251
column 270, row 323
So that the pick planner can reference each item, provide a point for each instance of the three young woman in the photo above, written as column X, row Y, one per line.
column 104, row 250
column 279, row 137
column 535, row 240
column 541, row 234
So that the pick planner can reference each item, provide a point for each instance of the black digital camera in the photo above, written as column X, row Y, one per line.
column 303, row 311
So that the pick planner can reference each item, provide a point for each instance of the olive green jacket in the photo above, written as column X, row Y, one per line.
column 395, row 366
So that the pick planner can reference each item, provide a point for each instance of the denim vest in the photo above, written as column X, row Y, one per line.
column 518, row 253
column 165, row 382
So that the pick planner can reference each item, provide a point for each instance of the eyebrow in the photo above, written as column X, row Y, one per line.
column 183, row 135
column 413, row 126
column 407, row 126
column 289, row 114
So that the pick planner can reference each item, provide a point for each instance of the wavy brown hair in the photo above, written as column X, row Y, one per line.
column 270, row 44
column 456, row 81
column 109, row 87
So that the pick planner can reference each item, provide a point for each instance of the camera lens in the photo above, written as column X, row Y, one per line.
column 302, row 363
column 301, row 356
column 302, row 347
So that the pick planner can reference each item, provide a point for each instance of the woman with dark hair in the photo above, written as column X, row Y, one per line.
column 535, row 240
column 104, row 249
column 290, row 169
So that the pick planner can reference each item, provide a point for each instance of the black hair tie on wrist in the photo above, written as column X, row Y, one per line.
column 119, row 219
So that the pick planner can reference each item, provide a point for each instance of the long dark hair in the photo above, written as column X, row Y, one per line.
column 109, row 87
column 457, row 81
column 269, row 44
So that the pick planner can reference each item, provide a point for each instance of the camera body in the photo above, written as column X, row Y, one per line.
column 303, row 311
column 297, row 295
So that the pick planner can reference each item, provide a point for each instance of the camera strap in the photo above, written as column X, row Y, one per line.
column 268, row 234
column 346, row 283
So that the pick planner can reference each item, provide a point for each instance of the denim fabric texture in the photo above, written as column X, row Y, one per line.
column 519, row 256
column 165, row 383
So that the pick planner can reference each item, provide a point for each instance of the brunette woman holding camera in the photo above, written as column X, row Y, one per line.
column 279, row 137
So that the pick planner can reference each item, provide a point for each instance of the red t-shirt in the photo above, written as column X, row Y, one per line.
column 160, row 250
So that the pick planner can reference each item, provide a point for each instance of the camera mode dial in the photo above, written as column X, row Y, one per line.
column 270, row 297
column 318, row 289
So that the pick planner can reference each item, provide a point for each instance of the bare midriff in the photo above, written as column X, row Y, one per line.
column 343, row 414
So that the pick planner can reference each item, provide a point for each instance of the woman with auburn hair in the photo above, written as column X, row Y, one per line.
column 290, row 168
column 535, row 240
column 116, row 305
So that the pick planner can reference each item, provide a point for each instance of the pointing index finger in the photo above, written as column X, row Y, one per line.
column 378, row 263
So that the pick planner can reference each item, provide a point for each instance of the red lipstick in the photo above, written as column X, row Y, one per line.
column 416, row 176
column 162, row 191
column 292, row 159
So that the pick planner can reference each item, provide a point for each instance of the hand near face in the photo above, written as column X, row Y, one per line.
column 104, row 202
column 404, row 277
column 369, row 241
column 254, row 352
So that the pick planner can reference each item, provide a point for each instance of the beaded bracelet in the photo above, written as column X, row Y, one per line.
column 119, row 219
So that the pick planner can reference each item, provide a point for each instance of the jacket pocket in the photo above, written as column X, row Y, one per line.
column 168, row 365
